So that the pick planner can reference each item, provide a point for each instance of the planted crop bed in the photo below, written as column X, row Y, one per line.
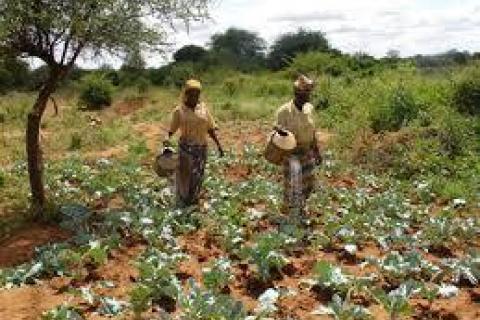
column 370, row 248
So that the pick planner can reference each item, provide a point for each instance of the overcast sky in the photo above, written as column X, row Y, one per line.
column 371, row 26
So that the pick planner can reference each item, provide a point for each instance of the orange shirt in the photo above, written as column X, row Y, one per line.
column 193, row 124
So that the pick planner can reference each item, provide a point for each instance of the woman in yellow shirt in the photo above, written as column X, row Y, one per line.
column 296, row 117
column 195, row 123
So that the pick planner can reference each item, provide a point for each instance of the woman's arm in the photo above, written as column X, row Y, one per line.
column 212, row 133
column 174, row 125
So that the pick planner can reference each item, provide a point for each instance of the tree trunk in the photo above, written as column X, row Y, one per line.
column 34, row 151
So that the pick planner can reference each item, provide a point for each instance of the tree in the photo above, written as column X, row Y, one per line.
column 241, row 43
column 14, row 73
column 134, row 60
column 190, row 53
column 58, row 31
column 239, row 48
column 393, row 54
column 288, row 45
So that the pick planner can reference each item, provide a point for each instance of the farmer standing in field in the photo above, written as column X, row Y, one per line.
column 296, row 117
column 195, row 123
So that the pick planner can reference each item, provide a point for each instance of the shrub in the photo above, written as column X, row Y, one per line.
column 453, row 134
column 466, row 97
column 179, row 73
column 400, row 109
column 289, row 45
column 2, row 179
column 277, row 88
column 319, row 63
column 142, row 85
column 75, row 141
column 96, row 92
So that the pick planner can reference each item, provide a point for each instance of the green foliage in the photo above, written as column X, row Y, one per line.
column 75, row 141
column 190, row 53
column 14, row 73
column 98, row 25
column 400, row 109
column 95, row 92
column 63, row 312
column 454, row 134
column 466, row 97
column 142, row 85
column 238, row 48
column 201, row 305
column 2, row 178
column 266, row 256
column 174, row 74
column 141, row 298
column 396, row 302
column 343, row 310
column 331, row 278
column 218, row 275
column 157, row 279
column 289, row 45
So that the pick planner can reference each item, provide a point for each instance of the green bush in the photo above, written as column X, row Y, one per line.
column 96, row 92
column 400, row 109
column 75, row 141
column 319, row 63
column 453, row 133
column 142, row 85
column 2, row 179
column 272, row 87
column 467, row 94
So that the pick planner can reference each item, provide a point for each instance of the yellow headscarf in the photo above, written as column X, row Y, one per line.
column 193, row 84
column 189, row 85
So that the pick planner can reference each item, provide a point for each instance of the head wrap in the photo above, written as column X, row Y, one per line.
column 303, row 83
column 193, row 84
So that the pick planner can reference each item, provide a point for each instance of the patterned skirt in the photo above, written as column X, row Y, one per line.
column 192, row 160
column 299, row 180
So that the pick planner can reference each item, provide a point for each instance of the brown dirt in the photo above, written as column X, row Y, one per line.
column 237, row 173
column 128, row 106
column 153, row 133
column 28, row 303
column 20, row 247
column 110, row 153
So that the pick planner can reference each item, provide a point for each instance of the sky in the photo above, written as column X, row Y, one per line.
column 374, row 27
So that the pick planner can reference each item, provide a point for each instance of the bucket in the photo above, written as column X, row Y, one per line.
column 166, row 163
column 280, row 145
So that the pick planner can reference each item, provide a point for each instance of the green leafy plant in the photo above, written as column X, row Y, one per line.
column 96, row 92
column 266, row 256
column 466, row 97
column 396, row 302
column 398, row 112
column 218, row 275
column 63, row 312
column 467, row 268
column 157, row 280
column 339, row 309
column 330, row 277
column 201, row 305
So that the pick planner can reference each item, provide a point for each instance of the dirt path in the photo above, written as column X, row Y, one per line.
column 20, row 247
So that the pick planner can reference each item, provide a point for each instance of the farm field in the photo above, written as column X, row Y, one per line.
column 392, row 231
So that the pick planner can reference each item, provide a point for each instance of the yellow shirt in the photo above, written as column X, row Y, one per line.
column 300, row 123
column 193, row 124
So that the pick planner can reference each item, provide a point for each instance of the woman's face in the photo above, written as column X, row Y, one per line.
column 302, row 97
column 192, row 96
